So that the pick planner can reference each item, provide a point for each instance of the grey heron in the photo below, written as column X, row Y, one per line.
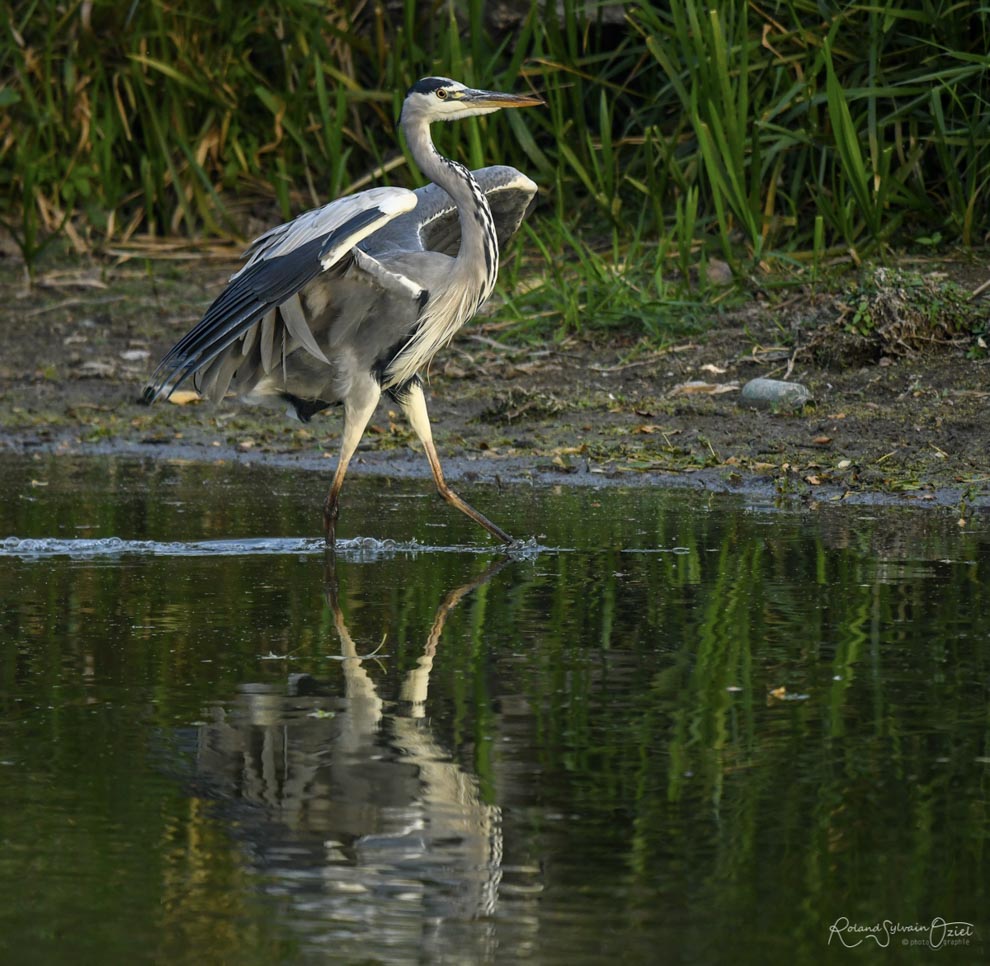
column 354, row 299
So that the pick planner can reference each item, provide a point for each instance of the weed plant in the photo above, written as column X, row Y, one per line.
column 788, row 133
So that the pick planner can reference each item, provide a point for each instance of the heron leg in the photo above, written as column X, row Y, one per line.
column 358, row 409
column 413, row 403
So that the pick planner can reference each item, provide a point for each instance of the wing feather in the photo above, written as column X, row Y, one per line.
column 248, row 340
column 294, row 318
column 214, row 380
column 435, row 226
column 279, row 264
column 268, row 340
column 324, row 223
column 261, row 303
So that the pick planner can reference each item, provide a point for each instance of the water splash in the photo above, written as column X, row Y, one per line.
column 112, row 547
column 358, row 549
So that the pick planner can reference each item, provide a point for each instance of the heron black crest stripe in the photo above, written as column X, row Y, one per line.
column 427, row 85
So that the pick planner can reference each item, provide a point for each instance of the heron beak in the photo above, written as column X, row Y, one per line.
column 496, row 99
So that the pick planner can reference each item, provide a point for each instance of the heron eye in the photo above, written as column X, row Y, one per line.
column 441, row 93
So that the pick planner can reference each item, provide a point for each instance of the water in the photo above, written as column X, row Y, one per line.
column 690, row 729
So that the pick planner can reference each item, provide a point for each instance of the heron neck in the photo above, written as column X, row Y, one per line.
column 477, row 257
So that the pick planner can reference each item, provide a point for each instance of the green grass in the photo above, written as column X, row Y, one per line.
column 772, row 137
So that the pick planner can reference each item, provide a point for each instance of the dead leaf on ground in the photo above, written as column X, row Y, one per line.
column 71, row 278
column 135, row 355
column 183, row 397
column 768, row 353
column 95, row 369
column 700, row 388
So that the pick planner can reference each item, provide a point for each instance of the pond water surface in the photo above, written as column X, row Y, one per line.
column 684, row 729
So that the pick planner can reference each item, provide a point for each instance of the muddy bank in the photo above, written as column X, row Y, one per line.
column 894, row 424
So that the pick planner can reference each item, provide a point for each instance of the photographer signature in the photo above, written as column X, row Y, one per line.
column 936, row 933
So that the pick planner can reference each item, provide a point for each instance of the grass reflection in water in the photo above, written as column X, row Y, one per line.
column 727, row 747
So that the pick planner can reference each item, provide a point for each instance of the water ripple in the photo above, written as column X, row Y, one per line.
column 358, row 548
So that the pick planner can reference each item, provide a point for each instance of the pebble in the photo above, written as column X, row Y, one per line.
column 775, row 394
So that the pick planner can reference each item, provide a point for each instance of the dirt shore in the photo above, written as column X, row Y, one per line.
column 901, row 420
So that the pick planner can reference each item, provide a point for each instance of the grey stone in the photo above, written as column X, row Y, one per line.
column 775, row 394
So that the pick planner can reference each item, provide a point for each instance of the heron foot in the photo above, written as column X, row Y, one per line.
column 521, row 548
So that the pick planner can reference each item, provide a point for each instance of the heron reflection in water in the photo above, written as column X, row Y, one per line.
column 356, row 808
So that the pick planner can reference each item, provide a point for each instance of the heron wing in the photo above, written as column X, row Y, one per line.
column 279, row 264
column 434, row 224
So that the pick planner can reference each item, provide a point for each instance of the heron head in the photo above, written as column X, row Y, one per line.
column 443, row 99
